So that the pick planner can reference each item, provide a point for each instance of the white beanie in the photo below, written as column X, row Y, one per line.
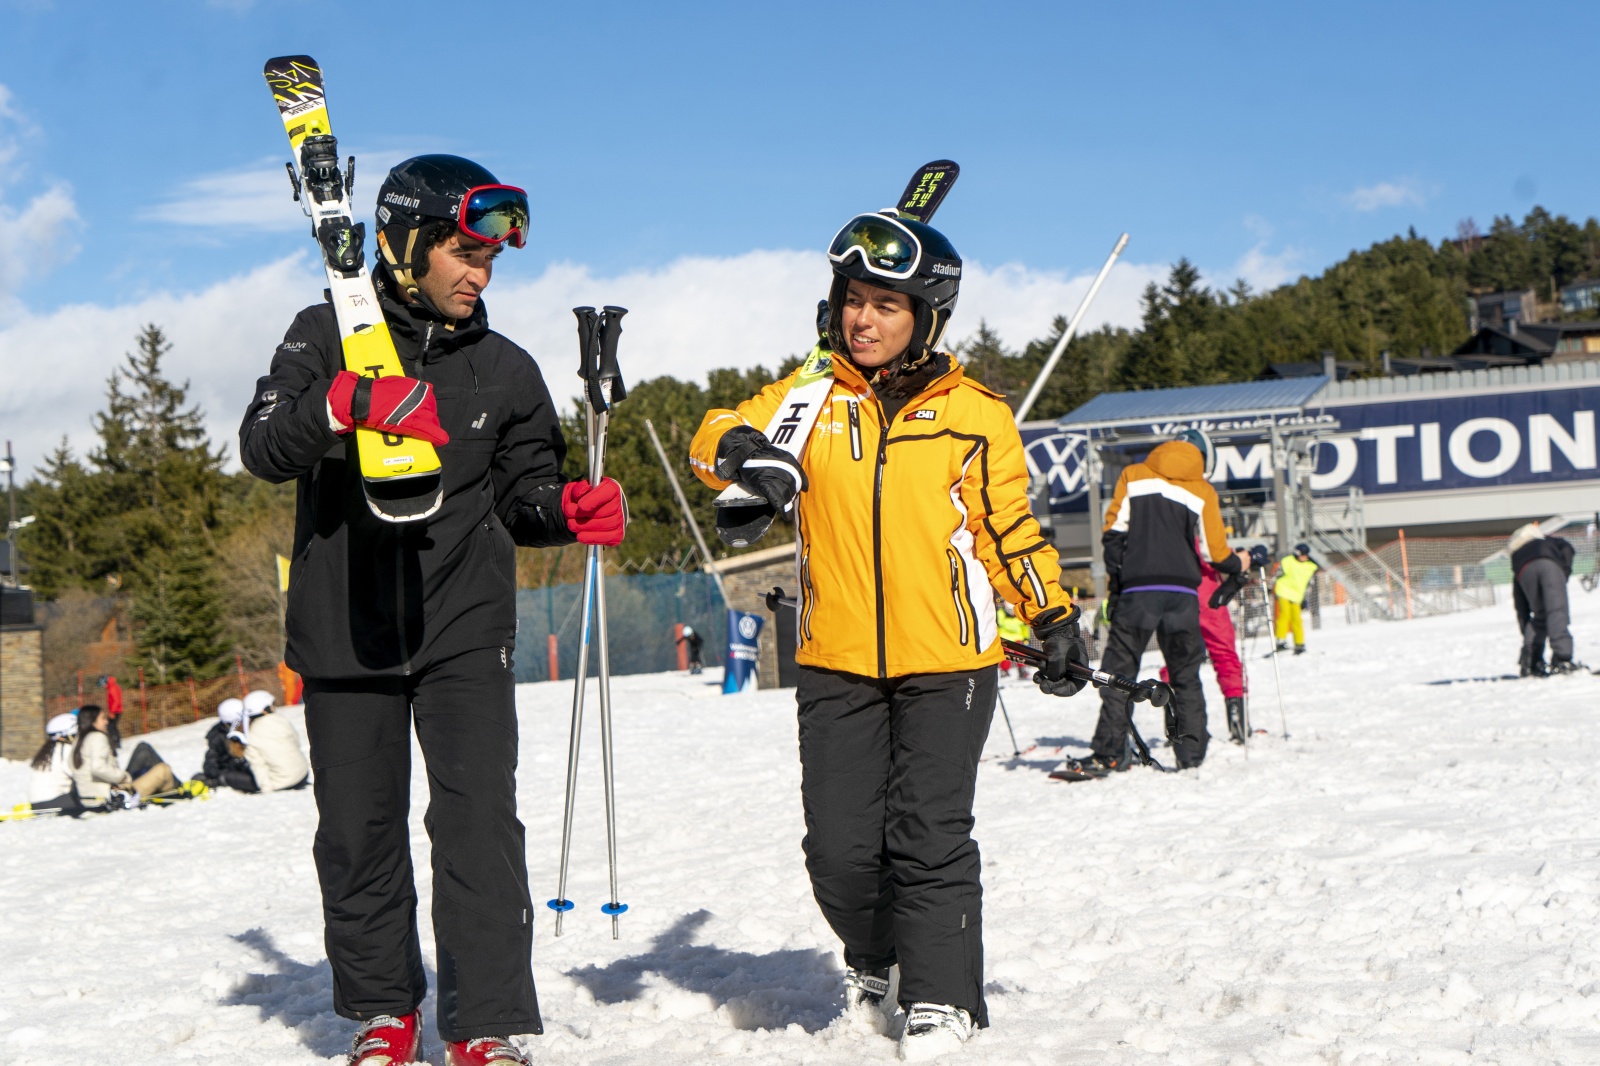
column 231, row 711
column 1524, row 535
column 62, row 725
column 259, row 702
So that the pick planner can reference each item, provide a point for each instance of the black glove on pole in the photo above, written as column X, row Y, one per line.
column 1062, row 643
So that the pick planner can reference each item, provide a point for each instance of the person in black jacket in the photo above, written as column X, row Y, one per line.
column 395, row 623
column 1541, row 566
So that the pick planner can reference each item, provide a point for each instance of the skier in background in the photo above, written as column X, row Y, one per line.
column 272, row 747
column 1294, row 579
column 1163, row 523
column 1011, row 628
column 50, row 786
column 1541, row 566
column 225, row 765
column 395, row 625
column 911, row 504
column 694, row 641
column 1222, row 648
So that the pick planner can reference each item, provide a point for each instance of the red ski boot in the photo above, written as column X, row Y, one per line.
column 483, row 1051
column 387, row 1041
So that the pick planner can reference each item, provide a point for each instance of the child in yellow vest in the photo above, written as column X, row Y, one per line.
column 1294, row 578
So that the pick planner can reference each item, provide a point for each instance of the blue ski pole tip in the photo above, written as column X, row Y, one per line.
column 612, row 909
column 560, row 904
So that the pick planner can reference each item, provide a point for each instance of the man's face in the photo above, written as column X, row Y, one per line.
column 458, row 271
column 877, row 324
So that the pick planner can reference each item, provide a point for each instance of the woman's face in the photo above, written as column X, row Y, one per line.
column 102, row 721
column 877, row 324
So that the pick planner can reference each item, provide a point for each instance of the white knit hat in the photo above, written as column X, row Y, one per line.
column 1524, row 535
column 62, row 725
column 231, row 711
column 259, row 702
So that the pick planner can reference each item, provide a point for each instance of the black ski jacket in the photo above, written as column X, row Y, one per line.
column 369, row 597
column 1558, row 550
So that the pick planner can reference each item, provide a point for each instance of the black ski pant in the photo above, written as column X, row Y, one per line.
column 888, row 769
column 1174, row 618
column 360, row 735
column 1543, row 585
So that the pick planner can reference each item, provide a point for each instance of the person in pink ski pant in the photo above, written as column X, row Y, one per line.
column 1216, row 628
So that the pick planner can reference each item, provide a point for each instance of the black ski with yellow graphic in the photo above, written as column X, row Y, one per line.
column 400, row 475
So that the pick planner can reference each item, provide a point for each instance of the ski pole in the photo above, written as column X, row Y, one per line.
column 1272, row 638
column 610, row 379
column 1016, row 752
column 1157, row 693
column 587, row 370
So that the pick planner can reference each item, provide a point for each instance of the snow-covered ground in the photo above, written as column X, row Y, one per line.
column 1414, row 876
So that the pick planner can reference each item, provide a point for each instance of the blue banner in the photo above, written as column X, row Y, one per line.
column 1429, row 443
column 739, row 671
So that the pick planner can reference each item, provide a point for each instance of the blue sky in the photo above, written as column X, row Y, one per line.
column 1257, row 139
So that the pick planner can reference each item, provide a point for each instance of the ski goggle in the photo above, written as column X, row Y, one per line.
column 495, row 213
column 886, row 247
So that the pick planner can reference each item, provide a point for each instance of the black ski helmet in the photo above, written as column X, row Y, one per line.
column 425, row 188
column 933, row 284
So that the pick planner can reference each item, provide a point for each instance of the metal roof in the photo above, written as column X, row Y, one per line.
column 1240, row 399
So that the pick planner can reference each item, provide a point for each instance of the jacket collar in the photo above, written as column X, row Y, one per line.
column 410, row 321
column 846, row 371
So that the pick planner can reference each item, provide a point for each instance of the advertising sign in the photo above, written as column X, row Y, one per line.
column 744, row 648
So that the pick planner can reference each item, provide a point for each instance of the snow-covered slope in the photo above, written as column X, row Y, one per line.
column 1413, row 876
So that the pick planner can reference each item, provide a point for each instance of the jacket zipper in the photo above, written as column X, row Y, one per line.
column 1033, row 576
column 809, row 595
column 877, row 537
column 955, row 594
column 855, row 429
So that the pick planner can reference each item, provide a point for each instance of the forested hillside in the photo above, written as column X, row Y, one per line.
column 149, row 522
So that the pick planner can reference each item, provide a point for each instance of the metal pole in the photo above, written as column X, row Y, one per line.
column 1072, row 327
column 1016, row 752
column 1097, row 551
column 561, row 904
column 1272, row 638
column 1280, row 491
column 15, row 577
column 683, row 501
column 604, row 679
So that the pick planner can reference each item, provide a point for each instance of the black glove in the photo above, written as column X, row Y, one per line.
column 1228, row 588
column 745, row 455
column 1057, row 631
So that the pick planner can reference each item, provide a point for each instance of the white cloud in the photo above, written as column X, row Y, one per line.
column 38, row 236
column 1267, row 270
column 1385, row 194
column 686, row 318
column 259, row 197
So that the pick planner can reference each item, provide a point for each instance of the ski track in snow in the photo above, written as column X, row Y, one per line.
column 1412, row 877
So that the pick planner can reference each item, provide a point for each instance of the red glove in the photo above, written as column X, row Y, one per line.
column 392, row 405
column 598, row 514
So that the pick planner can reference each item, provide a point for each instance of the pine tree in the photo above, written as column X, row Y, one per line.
column 178, row 612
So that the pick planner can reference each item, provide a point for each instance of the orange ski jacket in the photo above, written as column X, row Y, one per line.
column 905, row 532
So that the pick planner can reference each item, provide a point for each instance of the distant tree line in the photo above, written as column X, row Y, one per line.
column 150, row 518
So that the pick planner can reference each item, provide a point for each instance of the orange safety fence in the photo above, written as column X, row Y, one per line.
column 146, row 708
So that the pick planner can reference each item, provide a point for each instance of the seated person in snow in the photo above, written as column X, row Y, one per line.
column 94, row 766
column 51, row 788
column 225, row 764
column 271, row 746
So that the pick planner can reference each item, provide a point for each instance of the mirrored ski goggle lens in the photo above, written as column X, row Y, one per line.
column 496, row 214
column 886, row 247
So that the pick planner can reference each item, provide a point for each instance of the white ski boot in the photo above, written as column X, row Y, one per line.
column 934, row 1029
column 872, row 994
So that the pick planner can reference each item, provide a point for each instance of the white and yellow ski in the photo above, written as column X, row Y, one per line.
column 400, row 475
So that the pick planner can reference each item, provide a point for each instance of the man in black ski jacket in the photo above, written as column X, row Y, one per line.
column 1541, row 566
column 392, row 623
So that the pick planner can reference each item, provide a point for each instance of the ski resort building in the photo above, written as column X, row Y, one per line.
column 1346, row 465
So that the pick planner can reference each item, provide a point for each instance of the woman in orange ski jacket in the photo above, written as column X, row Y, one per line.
column 909, row 494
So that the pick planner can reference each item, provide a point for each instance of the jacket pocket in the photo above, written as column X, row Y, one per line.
column 1034, row 580
column 957, row 596
column 855, row 429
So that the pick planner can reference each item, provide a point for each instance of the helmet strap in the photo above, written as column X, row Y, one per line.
column 401, row 268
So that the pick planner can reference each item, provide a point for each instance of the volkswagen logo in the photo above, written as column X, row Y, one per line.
column 1059, row 457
